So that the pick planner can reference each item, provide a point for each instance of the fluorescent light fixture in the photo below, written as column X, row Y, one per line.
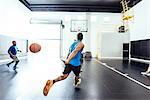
column 44, row 21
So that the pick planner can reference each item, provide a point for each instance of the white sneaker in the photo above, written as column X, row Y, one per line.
column 145, row 73
column 76, row 84
column 148, row 74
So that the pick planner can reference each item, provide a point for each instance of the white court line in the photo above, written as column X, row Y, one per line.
column 125, row 75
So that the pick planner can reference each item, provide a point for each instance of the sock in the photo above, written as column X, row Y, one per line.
column 54, row 81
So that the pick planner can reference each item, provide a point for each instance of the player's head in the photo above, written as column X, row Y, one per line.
column 79, row 36
column 14, row 43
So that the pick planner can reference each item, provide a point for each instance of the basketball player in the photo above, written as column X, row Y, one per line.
column 12, row 51
column 72, row 63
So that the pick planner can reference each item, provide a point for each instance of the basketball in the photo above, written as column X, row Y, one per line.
column 35, row 48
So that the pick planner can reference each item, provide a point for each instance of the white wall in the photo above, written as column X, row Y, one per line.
column 139, row 28
column 106, row 42
column 6, row 42
column 147, row 18
column 15, row 22
column 112, row 44
column 14, row 18
column 55, row 17
column 98, row 24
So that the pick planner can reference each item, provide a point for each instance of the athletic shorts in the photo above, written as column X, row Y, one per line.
column 15, row 58
column 69, row 68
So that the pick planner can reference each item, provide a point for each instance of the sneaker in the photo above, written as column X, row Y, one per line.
column 14, row 68
column 77, row 82
column 47, row 87
column 7, row 65
column 145, row 73
column 16, row 72
column 148, row 74
column 80, row 74
column 81, row 70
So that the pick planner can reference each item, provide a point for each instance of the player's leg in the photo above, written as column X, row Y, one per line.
column 77, row 79
column 17, row 61
column 50, row 83
column 10, row 62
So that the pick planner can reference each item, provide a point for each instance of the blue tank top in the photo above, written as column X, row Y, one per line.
column 76, row 60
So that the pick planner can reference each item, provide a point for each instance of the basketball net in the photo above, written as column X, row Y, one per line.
column 78, row 30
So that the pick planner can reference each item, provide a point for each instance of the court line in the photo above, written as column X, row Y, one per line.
column 125, row 75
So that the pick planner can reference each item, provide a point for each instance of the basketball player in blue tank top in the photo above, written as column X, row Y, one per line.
column 72, row 64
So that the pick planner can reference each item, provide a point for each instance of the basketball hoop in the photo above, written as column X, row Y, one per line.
column 79, row 26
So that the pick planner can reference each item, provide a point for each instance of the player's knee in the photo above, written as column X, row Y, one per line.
column 64, row 76
column 77, row 77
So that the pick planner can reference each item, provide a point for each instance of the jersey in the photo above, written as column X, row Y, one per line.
column 13, row 50
column 76, row 60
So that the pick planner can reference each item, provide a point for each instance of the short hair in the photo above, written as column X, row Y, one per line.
column 13, row 41
column 80, row 36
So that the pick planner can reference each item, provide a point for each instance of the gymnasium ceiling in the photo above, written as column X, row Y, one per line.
column 77, row 5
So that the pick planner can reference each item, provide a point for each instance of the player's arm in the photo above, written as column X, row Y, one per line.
column 9, row 51
column 74, row 52
column 18, row 50
column 10, row 54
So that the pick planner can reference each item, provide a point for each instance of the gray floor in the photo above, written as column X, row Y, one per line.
column 98, row 83
column 132, row 68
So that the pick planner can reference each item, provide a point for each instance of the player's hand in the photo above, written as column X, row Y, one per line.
column 19, row 51
column 66, row 61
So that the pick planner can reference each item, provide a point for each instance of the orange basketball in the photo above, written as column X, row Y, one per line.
column 34, row 47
